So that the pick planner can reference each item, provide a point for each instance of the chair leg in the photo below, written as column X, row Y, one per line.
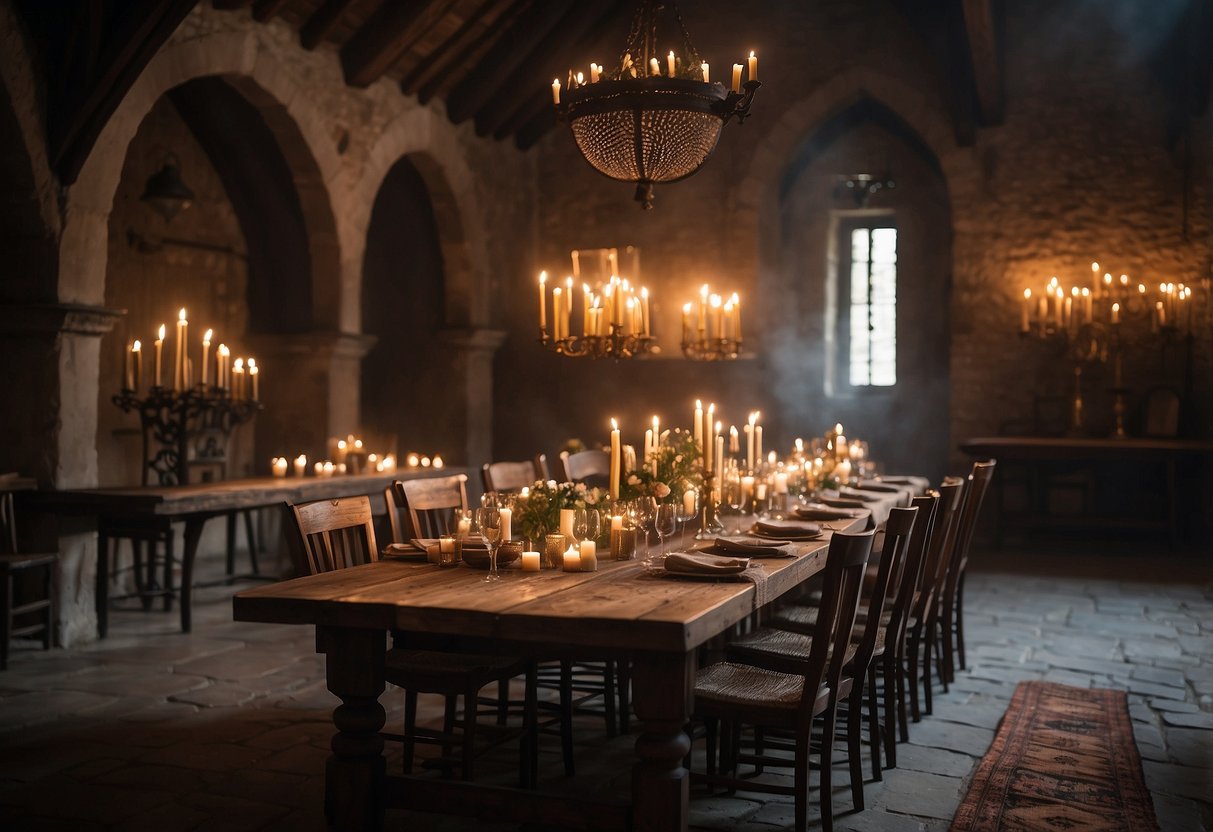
column 410, row 726
column 503, row 700
column 874, row 733
column 6, row 619
column 947, row 645
column 449, row 715
column 896, row 670
column 960, row 623
column 710, row 728
column 101, row 586
column 912, row 670
column 529, row 763
column 230, row 563
column 927, row 683
column 801, row 778
column 624, row 674
column 855, row 740
column 251, row 534
column 143, row 572
column 760, row 746
column 890, row 718
column 566, row 716
column 168, row 571
column 829, row 719
column 48, row 614
column 469, row 731
column 608, row 698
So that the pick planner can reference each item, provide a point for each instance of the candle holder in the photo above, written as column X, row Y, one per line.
column 703, row 348
column 618, row 344
column 710, row 526
column 172, row 419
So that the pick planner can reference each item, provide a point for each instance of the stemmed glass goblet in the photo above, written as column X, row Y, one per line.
column 666, row 523
column 488, row 520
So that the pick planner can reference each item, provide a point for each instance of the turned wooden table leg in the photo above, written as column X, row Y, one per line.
column 354, row 773
column 189, row 553
column 661, row 697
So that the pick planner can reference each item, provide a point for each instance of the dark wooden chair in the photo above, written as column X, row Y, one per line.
column 923, row 621
column 514, row 476
column 735, row 694
column 339, row 534
column 788, row 652
column 427, row 507
column 590, row 467
column 13, row 565
column 951, row 613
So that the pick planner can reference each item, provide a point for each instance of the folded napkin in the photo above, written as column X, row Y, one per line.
column 824, row 513
column 856, row 494
column 689, row 563
column 791, row 529
column 755, row 547
column 868, row 485
column 403, row 549
column 838, row 502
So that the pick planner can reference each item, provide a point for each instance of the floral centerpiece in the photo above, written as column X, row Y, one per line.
column 537, row 511
column 668, row 471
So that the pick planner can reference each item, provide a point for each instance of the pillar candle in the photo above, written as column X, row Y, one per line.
column 530, row 562
column 736, row 316
column 615, row 460
column 206, row 356
column 543, row 300
column 566, row 522
column 670, row 63
column 843, row 471
column 644, row 311
column 180, row 354
column 654, row 67
column 128, row 374
column 1025, row 311
column 556, row 91
column 238, row 379
column 254, row 372
column 137, row 353
column 781, row 482
column 589, row 556
column 686, row 323
column 703, row 68
column 300, row 465
column 688, row 502
column 159, row 355
column 697, row 424
column 753, row 67
column 736, row 87
column 572, row 560
column 758, row 443
column 278, row 466
column 719, row 460
column 507, row 523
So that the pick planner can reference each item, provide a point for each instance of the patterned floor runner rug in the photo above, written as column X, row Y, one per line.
column 1063, row 758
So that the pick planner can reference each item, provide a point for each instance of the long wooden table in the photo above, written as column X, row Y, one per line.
column 156, row 508
column 655, row 623
column 1034, row 451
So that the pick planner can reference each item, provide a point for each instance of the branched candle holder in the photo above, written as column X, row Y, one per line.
column 170, row 419
column 704, row 348
column 617, row 344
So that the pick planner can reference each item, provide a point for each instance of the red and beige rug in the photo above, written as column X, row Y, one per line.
column 1063, row 759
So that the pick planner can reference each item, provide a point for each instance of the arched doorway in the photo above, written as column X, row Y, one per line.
column 239, row 259
column 407, row 396
column 871, row 280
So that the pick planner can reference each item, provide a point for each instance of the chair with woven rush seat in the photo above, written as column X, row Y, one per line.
column 339, row 534
column 924, row 611
column 736, row 694
column 951, row 612
column 514, row 476
column 13, row 564
column 788, row 652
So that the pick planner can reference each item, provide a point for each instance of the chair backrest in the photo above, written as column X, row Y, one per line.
column 590, row 467
column 939, row 549
column 335, row 534
column 906, row 585
column 897, row 533
column 430, row 505
column 974, row 494
column 513, row 476
column 8, row 525
column 842, row 581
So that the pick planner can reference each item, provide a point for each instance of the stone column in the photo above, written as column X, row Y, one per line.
column 48, row 430
column 310, row 390
column 469, row 398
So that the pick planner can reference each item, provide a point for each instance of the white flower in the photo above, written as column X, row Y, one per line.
column 590, row 499
column 661, row 490
column 633, row 479
column 552, row 484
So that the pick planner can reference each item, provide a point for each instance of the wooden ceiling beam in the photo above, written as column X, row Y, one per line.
column 265, row 10
column 387, row 34
column 985, row 59
column 511, row 49
column 229, row 5
column 322, row 22
column 468, row 39
column 550, row 59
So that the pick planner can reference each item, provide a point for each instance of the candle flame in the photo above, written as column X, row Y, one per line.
column 751, row 53
column 698, row 402
column 1116, row 307
column 614, row 424
column 1095, row 268
column 686, row 308
column 543, row 278
column 1086, row 292
column 206, row 338
column 181, row 314
column 238, row 366
column 137, row 346
column 1027, row 293
column 703, row 291
column 223, row 350
column 161, row 335
column 252, row 365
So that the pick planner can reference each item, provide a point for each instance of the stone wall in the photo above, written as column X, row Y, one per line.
column 1079, row 171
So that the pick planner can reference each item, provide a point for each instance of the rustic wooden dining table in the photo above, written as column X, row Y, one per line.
column 655, row 622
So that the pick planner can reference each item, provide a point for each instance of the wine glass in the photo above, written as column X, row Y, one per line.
column 644, row 514
column 489, row 521
column 688, row 509
column 581, row 523
column 666, row 523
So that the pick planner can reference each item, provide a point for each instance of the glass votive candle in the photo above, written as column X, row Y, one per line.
column 446, row 550
column 553, row 551
column 531, row 562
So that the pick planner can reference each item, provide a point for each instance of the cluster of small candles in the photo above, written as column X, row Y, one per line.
column 1053, row 309
column 350, row 456
column 240, row 378
column 616, row 304
column 674, row 68
column 718, row 318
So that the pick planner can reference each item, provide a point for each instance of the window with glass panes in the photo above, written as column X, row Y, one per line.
column 868, row 303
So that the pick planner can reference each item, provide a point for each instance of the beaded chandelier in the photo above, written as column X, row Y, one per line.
column 652, row 118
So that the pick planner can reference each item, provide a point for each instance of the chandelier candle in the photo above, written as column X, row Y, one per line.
column 615, row 460
column 179, row 356
column 159, row 353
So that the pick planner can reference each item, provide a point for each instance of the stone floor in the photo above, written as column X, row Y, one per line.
column 228, row 728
